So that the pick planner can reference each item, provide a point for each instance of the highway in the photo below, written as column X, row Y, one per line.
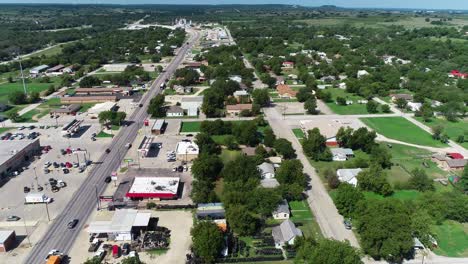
column 84, row 201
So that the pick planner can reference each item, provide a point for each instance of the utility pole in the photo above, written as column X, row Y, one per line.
column 97, row 198
column 26, row 229
column 22, row 76
column 47, row 209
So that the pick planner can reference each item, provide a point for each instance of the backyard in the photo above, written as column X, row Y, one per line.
column 300, row 213
column 399, row 128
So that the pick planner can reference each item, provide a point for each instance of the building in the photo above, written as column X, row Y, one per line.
column 235, row 110
column 56, row 69
column 407, row 97
column 288, row 64
column 285, row 233
column 7, row 240
column 362, row 73
column 187, row 151
column 210, row 211
column 267, row 170
column 145, row 146
column 450, row 161
column 235, row 78
column 66, row 110
column 240, row 95
column 284, row 91
column 179, row 89
column 191, row 104
column 118, row 67
column 348, row 175
column 341, row 154
column 14, row 153
column 88, row 99
column 328, row 128
column 414, row 106
column 102, row 107
column 175, row 111
column 123, row 225
column 158, row 127
column 458, row 74
column 148, row 187
column 102, row 91
column 282, row 211
column 193, row 65
column 38, row 70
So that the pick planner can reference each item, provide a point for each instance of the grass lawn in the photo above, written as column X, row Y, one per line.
column 32, row 86
column 399, row 128
column 301, row 213
column 28, row 116
column 404, row 195
column 298, row 133
column 354, row 109
column 219, row 139
column 103, row 134
column 86, row 106
column 4, row 129
column 453, row 129
column 169, row 92
column 190, row 127
column 229, row 155
column 452, row 238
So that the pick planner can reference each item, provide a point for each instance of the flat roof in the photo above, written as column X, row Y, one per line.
column 328, row 127
column 192, row 99
column 154, row 187
column 185, row 147
column 122, row 221
column 5, row 234
column 9, row 148
column 145, row 144
column 158, row 124
column 101, row 107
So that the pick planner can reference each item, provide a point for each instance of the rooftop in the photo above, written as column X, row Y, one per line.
column 266, row 167
column 158, row 124
column 327, row 127
column 285, row 231
column 11, row 147
column 5, row 234
column 187, row 147
column 239, row 107
column 342, row 151
column 348, row 174
column 283, row 207
column 122, row 221
column 192, row 99
column 98, row 108
column 154, row 187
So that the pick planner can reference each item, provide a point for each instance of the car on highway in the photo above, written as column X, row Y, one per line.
column 107, row 151
column 108, row 179
column 128, row 145
column 72, row 223
column 13, row 218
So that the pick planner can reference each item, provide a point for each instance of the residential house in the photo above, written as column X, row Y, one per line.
column 362, row 73
column 288, row 64
column 267, row 170
column 348, row 175
column 236, row 78
column 284, row 91
column 175, row 111
column 235, row 110
column 285, row 233
column 241, row 96
column 450, row 161
column 414, row 106
column 279, row 80
column 179, row 89
column 282, row 211
column 458, row 74
column 191, row 104
column 342, row 154
column 324, row 86
column 34, row 72
column 328, row 79
column 342, row 85
column 407, row 97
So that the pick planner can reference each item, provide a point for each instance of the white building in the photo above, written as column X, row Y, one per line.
column 362, row 73
column 187, row 151
column 267, row 170
column 414, row 106
column 191, row 104
column 341, row 154
column 348, row 175
column 118, row 67
column 94, row 111
column 282, row 211
column 236, row 78
column 154, row 188
column 285, row 233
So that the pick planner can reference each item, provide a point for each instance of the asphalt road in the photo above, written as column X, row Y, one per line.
column 84, row 201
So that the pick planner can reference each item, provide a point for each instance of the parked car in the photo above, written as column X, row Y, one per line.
column 46, row 171
column 108, row 179
column 54, row 188
column 65, row 170
column 13, row 218
column 56, row 165
column 347, row 223
column 125, row 249
column 26, row 189
column 72, row 223
column 47, row 164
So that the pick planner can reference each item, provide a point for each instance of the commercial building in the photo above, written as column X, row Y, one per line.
column 187, row 151
column 123, row 225
column 38, row 70
column 329, row 128
column 175, row 111
column 103, row 91
column 117, row 67
column 158, row 127
column 66, row 110
column 235, row 110
column 13, row 153
column 145, row 146
column 191, row 104
column 7, row 240
column 150, row 187
column 88, row 99
column 94, row 111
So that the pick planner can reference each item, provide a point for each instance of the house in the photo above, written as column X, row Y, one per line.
column 407, row 97
column 341, row 154
column 175, row 111
column 348, row 175
column 38, row 70
column 269, row 183
column 328, row 79
column 342, row 85
column 285, row 233
column 241, row 95
column 56, row 69
column 68, row 69
column 248, row 151
column 191, row 104
column 458, row 74
column 279, row 80
column 288, row 64
column 284, row 91
column 414, row 106
column 267, row 170
column 324, row 86
column 7, row 240
column 193, row 65
column 179, row 89
column 282, row 211
column 450, row 161
column 235, row 110
column 362, row 73
column 235, row 78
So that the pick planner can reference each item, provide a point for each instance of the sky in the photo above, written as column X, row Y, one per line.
column 422, row 4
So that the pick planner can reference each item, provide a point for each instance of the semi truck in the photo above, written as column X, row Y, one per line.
column 33, row 198
column 56, row 259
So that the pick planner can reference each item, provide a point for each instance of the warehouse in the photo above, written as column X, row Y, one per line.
column 94, row 111
column 148, row 187
column 7, row 240
column 158, row 127
column 186, row 151
column 122, row 226
column 14, row 153
column 66, row 110
column 88, row 99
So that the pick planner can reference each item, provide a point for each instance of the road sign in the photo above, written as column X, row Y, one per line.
column 106, row 198
column 128, row 160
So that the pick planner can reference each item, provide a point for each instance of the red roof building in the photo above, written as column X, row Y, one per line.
column 289, row 64
column 457, row 73
column 455, row 155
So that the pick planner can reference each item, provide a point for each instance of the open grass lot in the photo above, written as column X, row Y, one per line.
column 301, row 213
column 354, row 109
column 229, row 155
column 33, row 86
column 453, row 129
column 452, row 238
column 399, row 128
column 405, row 195
column 190, row 127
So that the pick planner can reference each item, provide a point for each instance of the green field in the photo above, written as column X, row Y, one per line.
column 404, row 195
column 453, row 129
column 4, row 129
column 229, row 155
column 452, row 238
column 103, row 134
column 190, row 127
column 300, row 213
column 33, row 86
column 399, row 128
column 354, row 109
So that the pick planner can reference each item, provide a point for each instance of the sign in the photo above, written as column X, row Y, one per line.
column 106, row 198
column 128, row 160
column 146, row 122
column 114, row 178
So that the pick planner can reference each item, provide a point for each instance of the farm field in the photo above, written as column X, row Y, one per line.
column 452, row 238
column 392, row 127
column 453, row 129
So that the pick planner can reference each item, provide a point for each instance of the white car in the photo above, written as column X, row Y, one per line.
column 54, row 252
column 47, row 164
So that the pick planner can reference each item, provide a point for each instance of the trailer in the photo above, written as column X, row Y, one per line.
column 71, row 128
column 33, row 198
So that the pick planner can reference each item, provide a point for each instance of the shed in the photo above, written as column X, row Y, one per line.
column 158, row 127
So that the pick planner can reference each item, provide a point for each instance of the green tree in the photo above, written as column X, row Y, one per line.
column 347, row 199
column 90, row 81
column 243, row 168
column 93, row 260
column 291, row 171
column 420, row 181
column 207, row 144
column 372, row 107
column 314, row 144
column 207, row 241
column 311, row 106
column 340, row 100
column 386, row 109
column 401, row 103
column 437, row 132
column 380, row 155
column 463, row 183
column 269, row 137
column 304, row 94
column 284, row 147
column 131, row 260
column 17, row 97
column 240, row 219
column 261, row 97
column 207, row 167
column 374, row 180
column 156, row 106
column 246, row 133
column 326, row 251
column 426, row 112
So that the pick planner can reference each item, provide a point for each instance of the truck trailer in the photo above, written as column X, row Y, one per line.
column 33, row 198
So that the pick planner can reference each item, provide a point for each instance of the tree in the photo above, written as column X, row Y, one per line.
column 93, row 260
column 374, row 180
column 13, row 116
column 401, row 103
column 131, row 260
column 284, row 147
column 207, row 144
column 112, row 117
column 326, row 251
column 381, row 156
column 463, row 183
column 347, row 199
column 207, row 241
column 264, row 201
column 17, row 97
column 420, row 181
column 340, row 100
column 386, row 109
column 291, row 171
column 261, row 97
column 207, row 167
column 203, row 192
column 311, row 106
column 246, row 133
column 241, row 220
column 243, row 168
column 372, row 107
column 426, row 112
column 90, row 81
column 269, row 137
column 314, row 144
column 304, row 94
column 156, row 106
column 437, row 132
column 10, row 79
